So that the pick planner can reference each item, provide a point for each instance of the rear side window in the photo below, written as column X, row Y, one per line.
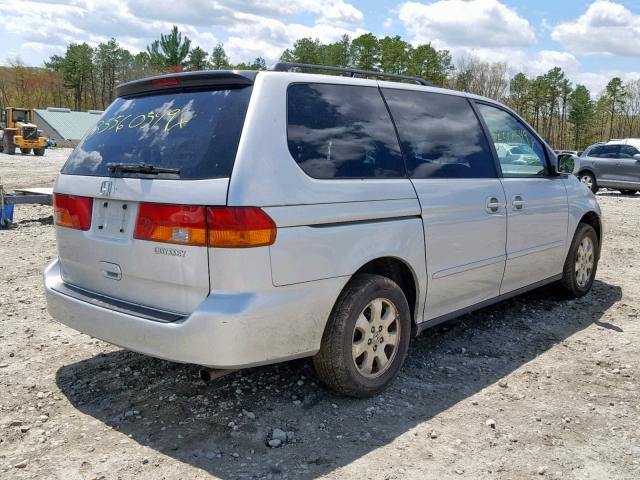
column 196, row 132
column 341, row 131
column 441, row 135
column 628, row 151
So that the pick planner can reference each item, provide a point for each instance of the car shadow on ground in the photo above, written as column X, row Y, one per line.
column 222, row 427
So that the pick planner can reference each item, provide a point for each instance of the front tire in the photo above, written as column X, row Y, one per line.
column 589, row 180
column 25, row 151
column 38, row 152
column 366, row 338
column 581, row 263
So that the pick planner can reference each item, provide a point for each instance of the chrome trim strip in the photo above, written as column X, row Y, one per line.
column 469, row 266
column 536, row 249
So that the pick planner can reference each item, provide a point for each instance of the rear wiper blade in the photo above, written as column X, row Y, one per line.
column 140, row 168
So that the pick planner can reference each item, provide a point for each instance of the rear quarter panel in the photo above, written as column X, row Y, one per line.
column 326, row 228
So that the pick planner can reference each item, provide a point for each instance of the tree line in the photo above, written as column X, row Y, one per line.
column 569, row 116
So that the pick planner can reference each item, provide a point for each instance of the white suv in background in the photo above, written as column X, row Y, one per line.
column 232, row 219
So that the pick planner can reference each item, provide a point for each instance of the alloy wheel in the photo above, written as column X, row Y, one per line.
column 376, row 338
column 587, row 180
column 584, row 261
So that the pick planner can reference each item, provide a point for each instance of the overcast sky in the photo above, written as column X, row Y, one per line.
column 591, row 40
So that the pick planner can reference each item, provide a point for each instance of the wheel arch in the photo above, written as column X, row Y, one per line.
column 400, row 272
column 582, row 170
column 593, row 219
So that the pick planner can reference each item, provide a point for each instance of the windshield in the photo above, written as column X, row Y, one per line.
column 23, row 116
column 193, row 132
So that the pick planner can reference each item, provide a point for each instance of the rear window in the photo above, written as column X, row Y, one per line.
column 342, row 131
column 196, row 132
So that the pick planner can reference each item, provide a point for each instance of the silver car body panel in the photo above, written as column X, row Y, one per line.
column 536, row 233
column 227, row 330
column 465, row 243
column 581, row 201
column 244, row 307
column 148, row 276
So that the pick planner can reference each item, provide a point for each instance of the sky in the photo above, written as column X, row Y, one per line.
column 591, row 40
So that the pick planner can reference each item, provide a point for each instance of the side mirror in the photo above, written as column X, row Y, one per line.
column 566, row 163
column 637, row 157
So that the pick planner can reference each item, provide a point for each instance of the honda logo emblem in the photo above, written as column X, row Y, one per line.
column 105, row 188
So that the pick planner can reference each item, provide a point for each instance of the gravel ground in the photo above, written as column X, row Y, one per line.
column 20, row 171
column 535, row 387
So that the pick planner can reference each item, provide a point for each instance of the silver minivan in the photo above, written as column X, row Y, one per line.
column 233, row 219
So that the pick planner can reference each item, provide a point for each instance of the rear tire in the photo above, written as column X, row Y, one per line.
column 39, row 152
column 628, row 192
column 25, row 151
column 581, row 263
column 589, row 180
column 369, row 323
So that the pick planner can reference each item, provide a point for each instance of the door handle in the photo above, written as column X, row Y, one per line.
column 110, row 270
column 517, row 202
column 493, row 204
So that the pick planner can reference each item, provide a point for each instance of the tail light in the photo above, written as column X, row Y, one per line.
column 72, row 211
column 239, row 227
column 221, row 227
column 184, row 225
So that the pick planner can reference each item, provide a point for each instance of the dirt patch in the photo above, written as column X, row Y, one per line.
column 20, row 171
column 534, row 387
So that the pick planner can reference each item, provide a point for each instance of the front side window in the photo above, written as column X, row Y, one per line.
column 519, row 152
column 609, row 151
column 342, row 131
column 440, row 134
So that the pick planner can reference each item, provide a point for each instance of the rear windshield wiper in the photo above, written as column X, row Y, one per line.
column 140, row 168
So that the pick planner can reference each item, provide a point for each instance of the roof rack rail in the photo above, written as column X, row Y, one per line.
column 356, row 73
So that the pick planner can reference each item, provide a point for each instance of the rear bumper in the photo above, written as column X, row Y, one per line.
column 227, row 330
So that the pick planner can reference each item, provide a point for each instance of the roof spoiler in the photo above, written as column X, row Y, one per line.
column 171, row 81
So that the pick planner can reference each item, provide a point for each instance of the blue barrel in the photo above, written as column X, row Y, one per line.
column 6, row 213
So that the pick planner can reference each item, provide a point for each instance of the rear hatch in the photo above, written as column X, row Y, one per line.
column 161, row 152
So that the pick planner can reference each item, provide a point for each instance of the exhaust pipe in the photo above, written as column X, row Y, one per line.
column 211, row 374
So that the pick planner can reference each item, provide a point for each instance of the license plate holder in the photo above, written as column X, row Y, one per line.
column 113, row 218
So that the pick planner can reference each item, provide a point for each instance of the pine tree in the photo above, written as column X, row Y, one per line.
column 197, row 59
column 171, row 50
column 219, row 59
column 581, row 112
column 615, row 94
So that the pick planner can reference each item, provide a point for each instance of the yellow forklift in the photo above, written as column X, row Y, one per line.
column 18, row 129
